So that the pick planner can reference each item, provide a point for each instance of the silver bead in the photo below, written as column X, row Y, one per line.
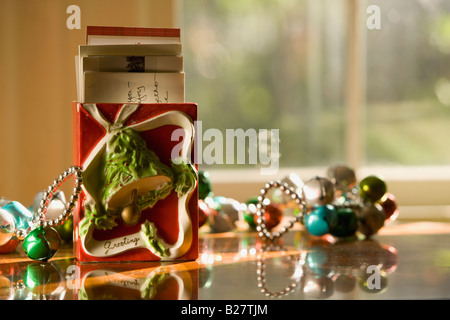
column 74, row 198
column 66, row 174
column 76, row 190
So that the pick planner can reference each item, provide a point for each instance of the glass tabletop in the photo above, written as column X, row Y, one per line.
column 404, row 261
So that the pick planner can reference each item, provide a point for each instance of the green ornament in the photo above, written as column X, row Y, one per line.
column 346, row 223
column 372, row 188
column 41, row 278
column 66, row 230
column 204, row 185
column 249, row 215
column 42, row 243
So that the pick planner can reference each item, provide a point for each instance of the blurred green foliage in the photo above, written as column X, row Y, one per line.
column 281, row 64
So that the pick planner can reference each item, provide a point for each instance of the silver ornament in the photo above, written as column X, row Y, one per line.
column 343, row 177
column 318, row 191
column 7, row 226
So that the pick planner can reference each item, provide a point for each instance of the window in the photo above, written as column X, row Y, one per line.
column 337, row 90
column 408, row 84
column 270, row 65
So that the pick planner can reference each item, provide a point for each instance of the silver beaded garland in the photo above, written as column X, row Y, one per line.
column 263, row 231
column 261, row 276
column 40, row 220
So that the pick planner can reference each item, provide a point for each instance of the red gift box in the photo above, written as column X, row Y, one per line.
column 107, row 139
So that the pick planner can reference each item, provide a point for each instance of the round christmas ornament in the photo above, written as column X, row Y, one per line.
column 7, row 226
column 372, row 188
column 42, row 243
column 21, row 215
column 343, row 178
column 272, row 216
column 336, row 205
column 203, row 212
column 250, row 212
column 371, row 219
column 318, row 191
column 10, row 246
column 22, row 218
column 40, row 239
column 219, row 222
column 321, row 220
column 389, row 205
column 229, row 207
column 56, row 205
column 346, row 223
column 65, row 230
column 204, row 185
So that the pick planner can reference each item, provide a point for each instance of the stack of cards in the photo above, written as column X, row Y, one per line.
column 130, row 65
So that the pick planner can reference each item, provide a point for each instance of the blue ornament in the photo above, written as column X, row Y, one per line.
column 22, row 216
column 320, row 219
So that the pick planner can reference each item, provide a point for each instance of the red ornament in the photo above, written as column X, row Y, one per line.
column 272, row 216
column 389, row 205
column 10, row 246
column 203, row 212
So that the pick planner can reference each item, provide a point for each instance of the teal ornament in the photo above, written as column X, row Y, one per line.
column 346, row 223
column 22, row 216
column 42, row 243
column 317, row 260
column 7, row 226
column 319, row 220
column 372, row 188
column 204, row 185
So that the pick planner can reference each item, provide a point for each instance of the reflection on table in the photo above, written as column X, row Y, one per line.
column 406, row 261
